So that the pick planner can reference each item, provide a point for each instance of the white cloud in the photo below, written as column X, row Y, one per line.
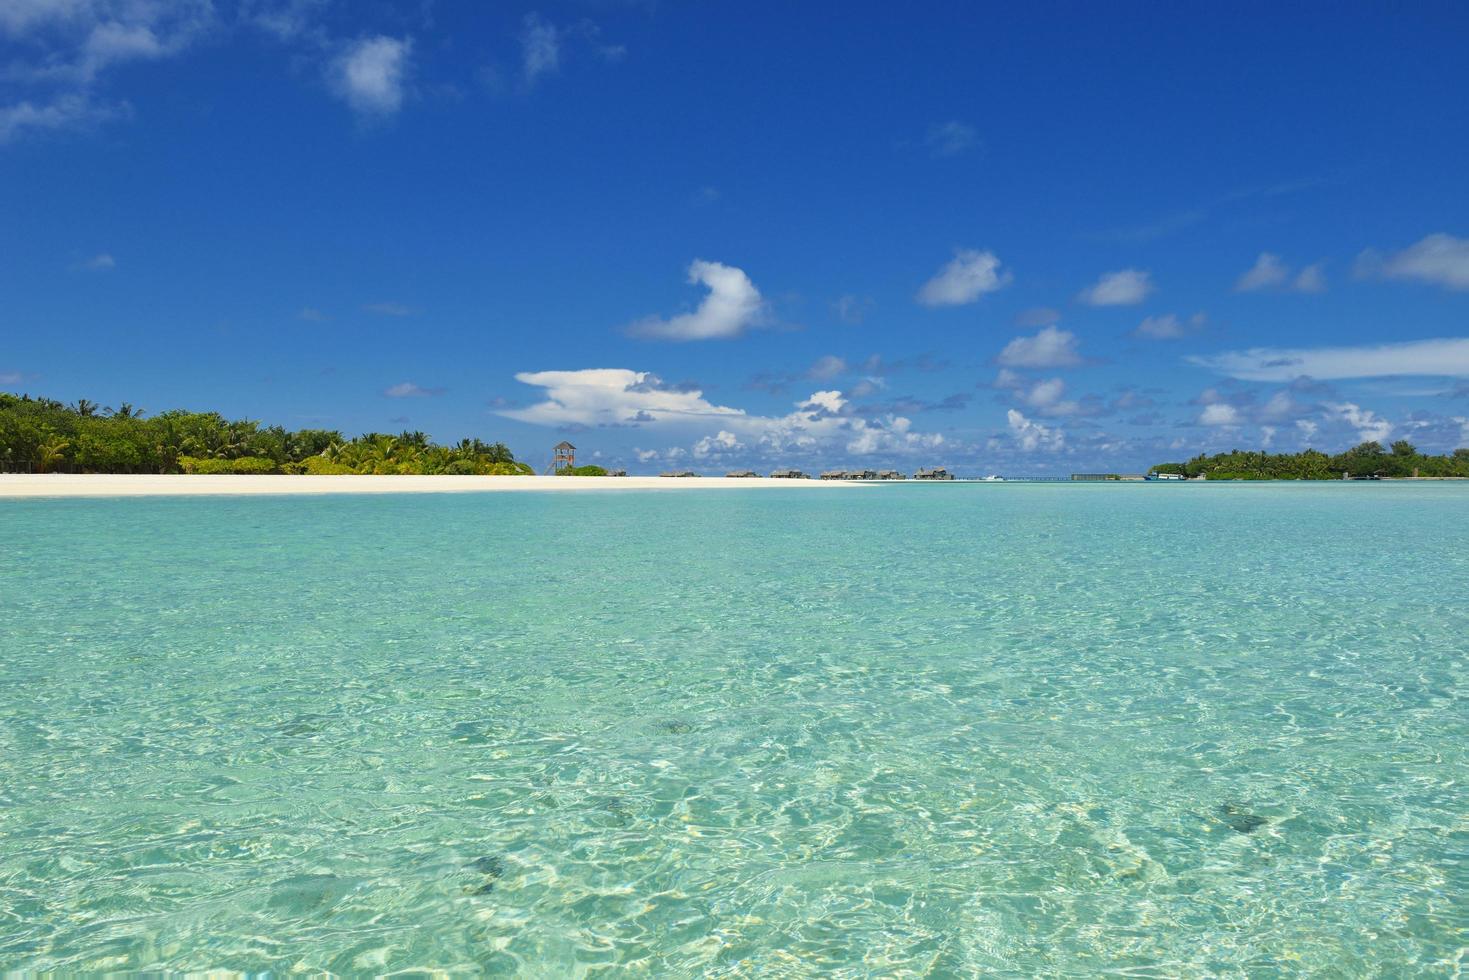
column 63, row 112
column 540, row 47
column 1045, row 393
column 371, row 74
column 1038, row 316
column 10, row 377
column 1311, row 279
column 1447, row 357
column 612, row 396
column 102, row 262
column 1051, row 347
column 1048, row 398
column 1219, row 413
column 827, row 367
column 1031, row 435
column 408, row 389
column 967, row 277
column 1007, row 378
column 1369, row 425
column 1281, row 406
column 389, row 308
column 1168, row 327
column 1440, row 259
column 1268, row 272
column 852, row 309
column 732, row 306
column 61, row 48
column 1125, row 287
column 1307, row 428
column 951, row 138
column 545, row 45
column 717, row 445
column 287, row 20
column 831, row 402
column 76, row 40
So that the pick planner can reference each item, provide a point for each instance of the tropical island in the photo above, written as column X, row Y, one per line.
column 42, row 435
column 1366, row 460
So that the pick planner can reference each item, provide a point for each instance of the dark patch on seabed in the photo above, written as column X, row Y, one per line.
column 303, row 726
column 1238, row 818
column 480, row 733
column 491, row 867
column 675, row 727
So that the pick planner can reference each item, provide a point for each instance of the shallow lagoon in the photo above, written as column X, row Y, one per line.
column 1171, row 730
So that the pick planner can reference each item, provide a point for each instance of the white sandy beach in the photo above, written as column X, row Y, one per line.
column 13, row 485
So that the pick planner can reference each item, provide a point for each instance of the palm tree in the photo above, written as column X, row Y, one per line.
column 49, row 453
column 86, row 409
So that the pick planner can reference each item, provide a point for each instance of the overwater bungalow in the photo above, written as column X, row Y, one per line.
column 890, row 475
column 741, row 475
column 617, row 472
column 933, row 473
column 679, row 474
column 789, row 475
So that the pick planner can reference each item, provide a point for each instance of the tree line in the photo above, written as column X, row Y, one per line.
column 42, row 435
column 1367, row 459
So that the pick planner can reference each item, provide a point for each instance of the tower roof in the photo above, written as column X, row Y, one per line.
column 563, row 444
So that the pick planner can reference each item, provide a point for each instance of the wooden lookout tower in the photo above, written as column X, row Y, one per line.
column 563, row 457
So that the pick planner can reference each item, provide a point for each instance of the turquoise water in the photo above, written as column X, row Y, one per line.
column 1151, row 729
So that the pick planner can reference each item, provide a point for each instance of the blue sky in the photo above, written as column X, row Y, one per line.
column 1029, row 239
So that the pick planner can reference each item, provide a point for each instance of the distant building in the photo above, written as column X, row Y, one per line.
column 789, row 475
column 617, row 472
column 1165, row 476
column 1092, row 477
column 834, row 475
column 679, row 474
column 563, row 457
column 934, row 473
column 890, row 475
column 741, row 475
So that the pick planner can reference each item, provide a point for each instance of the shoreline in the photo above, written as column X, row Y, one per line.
column 52, row 485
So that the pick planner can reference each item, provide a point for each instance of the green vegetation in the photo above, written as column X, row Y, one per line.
column 584, row 471
column 44, row 436
column 1367, row 459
